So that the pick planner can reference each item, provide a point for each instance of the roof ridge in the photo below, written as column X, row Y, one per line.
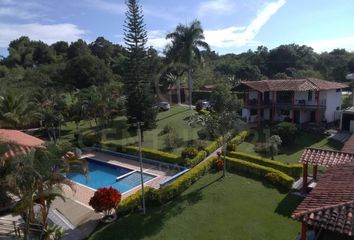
column 301, row 213
column 329, row 150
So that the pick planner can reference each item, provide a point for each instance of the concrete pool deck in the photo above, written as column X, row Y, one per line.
column 83, row 193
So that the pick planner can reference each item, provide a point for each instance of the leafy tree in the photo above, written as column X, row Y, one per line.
column 87, row 70
column 286, row 131
column 105, row 200
column 187, row 41
column 14, row 111
column 102, row 49
column 274, row 142
column 140, row 99
column 38, row 176
column 77, row 49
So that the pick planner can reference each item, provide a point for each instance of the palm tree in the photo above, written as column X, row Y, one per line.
column 186, row 41
column 13, row 111
column 39, row 176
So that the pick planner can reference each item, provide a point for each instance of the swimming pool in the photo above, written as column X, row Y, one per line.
column 102, row 174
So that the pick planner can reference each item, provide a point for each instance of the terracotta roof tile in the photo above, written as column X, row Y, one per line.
column 330, row 205
column 326, row 158
column 19, row 142
column 293, row 85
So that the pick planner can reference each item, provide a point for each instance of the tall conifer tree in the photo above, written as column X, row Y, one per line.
column 140, row 99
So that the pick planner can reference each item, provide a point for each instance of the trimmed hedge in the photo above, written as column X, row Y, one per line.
column 183, row 182
column 146, row 152
column 239, row 138
column 275, row 176
column 293, row 170
column 212, row 147
column 160, row 196
column 197, row 159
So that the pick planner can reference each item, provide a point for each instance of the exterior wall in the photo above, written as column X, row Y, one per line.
column 253, row 95
column 334, row 100
column 305, row 116
column 304, row 96
column 245, row 113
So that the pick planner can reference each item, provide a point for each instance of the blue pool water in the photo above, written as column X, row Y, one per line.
column 104, row 175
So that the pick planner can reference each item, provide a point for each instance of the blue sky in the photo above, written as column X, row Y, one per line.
column 231, row 26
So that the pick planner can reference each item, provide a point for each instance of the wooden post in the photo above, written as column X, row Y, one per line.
column 314, row 172
column 259, row 109
column 318, row 107
column 303, row 231
column 292, row 107
column 273, row 105
column 304, row 178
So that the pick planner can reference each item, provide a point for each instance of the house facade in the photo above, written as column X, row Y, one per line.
column 295, row 100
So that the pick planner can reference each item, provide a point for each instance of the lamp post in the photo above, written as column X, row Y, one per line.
column 139, row 124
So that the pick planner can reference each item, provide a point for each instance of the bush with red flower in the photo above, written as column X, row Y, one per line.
column 105, row 200
column 219, row 164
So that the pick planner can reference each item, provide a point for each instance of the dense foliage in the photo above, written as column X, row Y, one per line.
column 105, row 200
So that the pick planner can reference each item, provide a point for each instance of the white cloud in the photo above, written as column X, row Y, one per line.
column 156, row 38
column 216, row 7
column 243, row 36
column 330, row 44
column 46, row 33
column 16, row 12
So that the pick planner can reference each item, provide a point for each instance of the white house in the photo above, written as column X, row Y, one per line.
column 295, row 100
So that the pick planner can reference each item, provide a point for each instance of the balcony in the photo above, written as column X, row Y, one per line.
column 298, row 104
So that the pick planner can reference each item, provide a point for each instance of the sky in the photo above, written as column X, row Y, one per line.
column 230, row 26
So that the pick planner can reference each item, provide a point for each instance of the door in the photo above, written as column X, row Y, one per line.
column 351, row 126
column 297, row 116
column 313, row 116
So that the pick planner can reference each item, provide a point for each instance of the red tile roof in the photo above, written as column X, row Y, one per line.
column 330, row 205
column 326, row 158
column 293, row 85
column 349, row 145
column 19, row 142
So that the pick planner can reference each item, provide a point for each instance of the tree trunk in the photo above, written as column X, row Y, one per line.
column 178, row 90
column 190, row 87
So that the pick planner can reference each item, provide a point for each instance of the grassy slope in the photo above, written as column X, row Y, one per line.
column 291, row 154
column 119, row 132
column 234, row 208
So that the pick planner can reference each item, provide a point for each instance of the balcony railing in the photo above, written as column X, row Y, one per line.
column 253, row 103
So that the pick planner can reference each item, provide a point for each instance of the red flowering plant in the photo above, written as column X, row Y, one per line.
column 219, row 164
column 105, row 200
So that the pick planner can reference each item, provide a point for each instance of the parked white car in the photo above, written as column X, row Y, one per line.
column 164, row 106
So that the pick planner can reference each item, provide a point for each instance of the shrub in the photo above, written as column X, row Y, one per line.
column 91, row 139
column 212, row 147
column 166, row 129
column 172, row 140
column 231, row 146
column 198, row 144
column 105, row 200
column 197, row 159
column 219, row 164
column 182, row 183
column 189, row 152
column 203, row 134
column 281, row 179
column 146, row 152
column 203, row 112
column 287, row 132
column 293, row 170
column 199, row 106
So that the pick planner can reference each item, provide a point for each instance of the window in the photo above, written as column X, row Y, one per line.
column 254, row 112
column 309, row 97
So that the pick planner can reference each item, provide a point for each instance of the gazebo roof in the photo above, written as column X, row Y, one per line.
column 19, row 142
column 326, row 158
column 330, row 205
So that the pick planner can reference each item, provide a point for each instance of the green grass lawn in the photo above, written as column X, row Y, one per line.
column 119, row 133
column 233, row 208
column 291, row 153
